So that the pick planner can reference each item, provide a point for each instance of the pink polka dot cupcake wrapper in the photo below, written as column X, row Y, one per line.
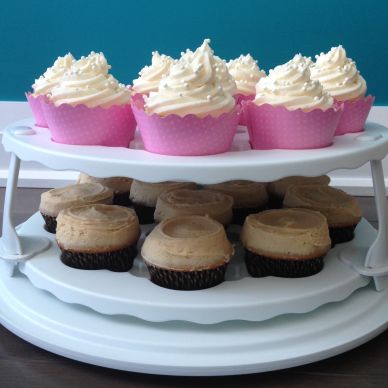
column 113, row 127
column 35, row 103
column 239, row 99
column 186, row 136
column 354, row 115
column 271, row 127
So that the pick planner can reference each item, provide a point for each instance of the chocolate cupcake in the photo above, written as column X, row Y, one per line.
column 187, row 253
column 249, row 197
column 277, row 189
column 185, row 202
column 120, row 186
column 55, row 200
column 287, row 243
column 341, row 210
column 145, row 195
column 98, row 237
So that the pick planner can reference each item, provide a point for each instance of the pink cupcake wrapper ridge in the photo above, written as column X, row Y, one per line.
column 35, row 103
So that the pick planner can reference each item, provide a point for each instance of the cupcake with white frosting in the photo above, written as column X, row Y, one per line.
column 190, row 114
column 340, row 78
column 89, row 106
column 44, row 85
column 291, row 110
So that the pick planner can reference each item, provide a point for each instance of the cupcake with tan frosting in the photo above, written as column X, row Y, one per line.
column 89, row 106
column 290, row 110
column 187, row 253
column 285, row 242
column 248, row 197
column 120, row 186
column 185, row 202
column 190, row 114
column 98, row 237
column 341, row 210
column 144, row 196
column 55, row 200
column 340, row 78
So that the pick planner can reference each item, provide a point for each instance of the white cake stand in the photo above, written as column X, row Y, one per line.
column 244, row 325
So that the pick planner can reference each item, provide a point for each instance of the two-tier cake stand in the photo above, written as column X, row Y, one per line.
column 244, row 325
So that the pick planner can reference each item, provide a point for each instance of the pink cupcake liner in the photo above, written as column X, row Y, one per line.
column 185, row 136
column 80, row 125
column 354, row 115
column 239, row 99
column 271, row 127
column 35, row 103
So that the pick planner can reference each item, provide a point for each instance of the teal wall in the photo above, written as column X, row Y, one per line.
column 34, row 33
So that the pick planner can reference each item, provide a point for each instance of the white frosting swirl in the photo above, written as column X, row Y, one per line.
column 290, row 85
column 191, row 88
column 89, row 83
column 150, row 76
column 246, row 73
column 300, row 60
column 51, row 77
column 338, row 75
column 225, row 78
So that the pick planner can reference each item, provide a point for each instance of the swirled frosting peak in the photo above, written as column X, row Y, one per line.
column 290, row 85
column 191, row 88
column 246, row 73
column 150, row 76
column 44, row 84
column 225, row 78
column 301, row 60
column 89, row 83
column 338, row 75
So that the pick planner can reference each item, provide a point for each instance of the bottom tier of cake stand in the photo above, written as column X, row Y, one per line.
column 182, row 348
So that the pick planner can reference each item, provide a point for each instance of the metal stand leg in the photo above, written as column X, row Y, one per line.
column 14, row 248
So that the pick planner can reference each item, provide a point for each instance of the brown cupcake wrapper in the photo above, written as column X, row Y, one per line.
column 50, row 223
column 341, row 234
column 240, row 213
column 261, row 266
column 145, row 214
column 117, row 261
column 122, row 199
column 187, row 280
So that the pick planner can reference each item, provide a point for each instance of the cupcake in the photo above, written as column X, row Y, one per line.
column 98, row 237
column 89, row 106
column 120, row 186
column 187, row 253
column 185, row 202
column 341, row 210
column 291, row 111
column 287, row 243
column 248, row 197
column 55, row 200
column 190, row 114
column 145, row 195
column 341, row 79
column 277, row 189
column 44, row 85
column 150, row 76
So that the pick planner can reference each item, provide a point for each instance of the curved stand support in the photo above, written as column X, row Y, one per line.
column 14, row 248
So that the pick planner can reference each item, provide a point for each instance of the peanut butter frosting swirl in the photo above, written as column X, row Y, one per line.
column 338, row 75
column 339, row 208
column 55, row 200
column 194, row 202
column 187, row 243
column 97, row 228
column 290, row 85
column 118, row 184
column 279, row 187
column 51, row 77
column 191, row 88
column 150, row 76
column 246, row 73
column 88, row 83
column 146, row 194
column 286, row 234
column 246, row 194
